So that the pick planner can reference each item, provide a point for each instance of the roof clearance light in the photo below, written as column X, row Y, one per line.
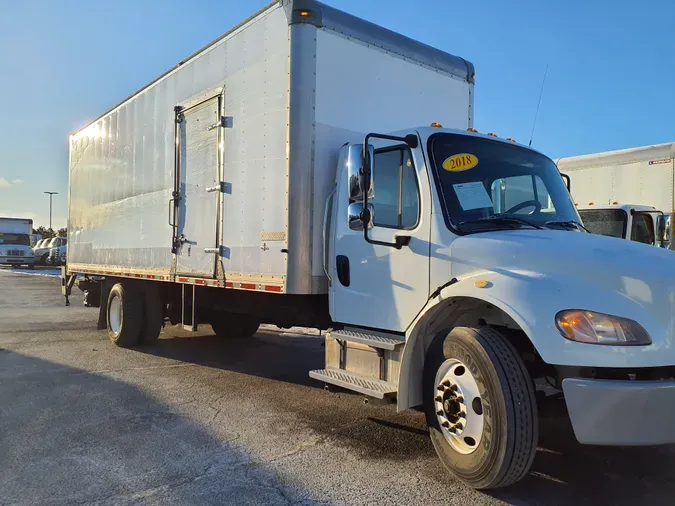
column 492, row 134
column 591, row 203
column 472, row 129
column 615, row 202
column 510, row 139
column 304, row 14
column 436, row 124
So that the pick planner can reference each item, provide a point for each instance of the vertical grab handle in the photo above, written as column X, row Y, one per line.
column 172, row 208
column 325, row 235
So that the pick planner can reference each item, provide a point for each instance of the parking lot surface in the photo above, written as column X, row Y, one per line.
column 200, row 420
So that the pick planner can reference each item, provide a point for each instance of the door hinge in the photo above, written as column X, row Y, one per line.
column 220, row 187
column 225, row 122
column 217, row 251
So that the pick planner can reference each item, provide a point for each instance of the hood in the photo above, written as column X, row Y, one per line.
column 639, row 272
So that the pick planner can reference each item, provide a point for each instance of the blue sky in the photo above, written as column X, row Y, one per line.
column 610, row 83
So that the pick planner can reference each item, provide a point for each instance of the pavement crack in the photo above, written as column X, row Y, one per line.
column 299, row 448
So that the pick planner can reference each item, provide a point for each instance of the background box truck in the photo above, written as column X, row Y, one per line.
column 278, row 176
column 15, row 238
column 627, row 193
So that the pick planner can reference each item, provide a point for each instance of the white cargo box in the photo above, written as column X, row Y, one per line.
column 218, row 171
column 636, row 176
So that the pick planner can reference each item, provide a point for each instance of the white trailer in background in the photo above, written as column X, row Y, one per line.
column 630, row 192
column 256, row 183
column 15, row 238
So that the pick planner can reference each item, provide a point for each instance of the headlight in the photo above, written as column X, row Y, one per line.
column 599, row 328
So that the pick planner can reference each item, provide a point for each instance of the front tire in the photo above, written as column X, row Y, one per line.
column 480, row 407
column 125, row 314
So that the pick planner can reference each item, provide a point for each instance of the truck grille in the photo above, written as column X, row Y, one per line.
column 15, row 253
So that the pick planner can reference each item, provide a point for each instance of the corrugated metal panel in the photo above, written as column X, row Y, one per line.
column 121, row 166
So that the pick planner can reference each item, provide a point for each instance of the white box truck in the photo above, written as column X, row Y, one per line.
column 15, row 237
column 278, row 176
column 629, row 193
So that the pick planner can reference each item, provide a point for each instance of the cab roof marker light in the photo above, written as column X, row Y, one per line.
column 492, row 134
column 510, row 139
column 436, row 124
column 591, row 203
column 304, row 13
column 472, row 129
column 615, row 202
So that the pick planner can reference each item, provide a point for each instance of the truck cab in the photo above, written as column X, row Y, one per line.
column 460, row 274
column 638, row 223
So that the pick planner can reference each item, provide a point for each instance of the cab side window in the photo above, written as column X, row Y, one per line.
column 643, row 229
column 396, row 195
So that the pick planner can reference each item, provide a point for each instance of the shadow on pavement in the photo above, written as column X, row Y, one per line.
column 566, row 472
column 72, row 437
column 277, row 356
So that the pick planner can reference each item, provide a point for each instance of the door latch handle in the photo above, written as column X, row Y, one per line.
column 220, row 187
column 225, row 122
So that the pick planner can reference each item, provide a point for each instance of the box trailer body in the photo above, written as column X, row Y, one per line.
column 234, row 192
column 279, row 176
column 643, row 176
column 633, row 222
column 15, row 242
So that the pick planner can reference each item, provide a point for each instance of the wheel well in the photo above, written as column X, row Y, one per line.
column 458, row 312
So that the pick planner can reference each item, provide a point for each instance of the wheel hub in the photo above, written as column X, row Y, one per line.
column 458, row 406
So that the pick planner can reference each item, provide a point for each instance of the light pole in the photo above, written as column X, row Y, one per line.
column 51, row 194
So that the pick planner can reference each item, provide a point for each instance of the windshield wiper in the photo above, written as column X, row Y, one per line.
column 504, row 220
column 567, row 224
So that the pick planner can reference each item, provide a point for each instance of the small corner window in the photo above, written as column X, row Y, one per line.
column 643, row 229
column 396, row 200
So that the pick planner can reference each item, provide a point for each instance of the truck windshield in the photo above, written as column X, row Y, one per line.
column 610, row 222
column 15, row 239
column 487, row 184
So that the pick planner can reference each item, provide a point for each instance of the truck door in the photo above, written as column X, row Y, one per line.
column 374, row 285
column 197, row 188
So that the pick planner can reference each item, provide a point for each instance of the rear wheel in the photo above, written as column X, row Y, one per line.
column 125, row 314
column 480, row 407
column 233, row 325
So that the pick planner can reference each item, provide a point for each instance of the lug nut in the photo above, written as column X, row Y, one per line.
column 459, row 426
column 438, row 398
column 439, row 412
column 445, row 424
column 461, row 414
column 460, row 398
column 446, row 383
column 440, row 388
column 453, row 388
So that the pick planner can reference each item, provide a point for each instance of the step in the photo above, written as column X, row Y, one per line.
column 373, row 339
column 350, row 381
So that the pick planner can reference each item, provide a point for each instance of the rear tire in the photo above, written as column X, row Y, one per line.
column 476, row 383
column 154, row 314
column 228, row 325
column 125, row 314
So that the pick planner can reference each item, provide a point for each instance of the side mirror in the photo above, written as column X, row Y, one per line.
column 356, row 216
column 568, row 181
column 354, row 160
column 663, row 231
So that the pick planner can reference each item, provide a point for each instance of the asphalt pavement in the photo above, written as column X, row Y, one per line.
column 200, row 420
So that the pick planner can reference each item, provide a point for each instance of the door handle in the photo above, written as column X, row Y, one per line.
column 342, row 268
column 172, row 208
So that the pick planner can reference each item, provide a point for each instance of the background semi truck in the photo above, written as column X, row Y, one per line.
column 15, row 237
column 628, row 193
column 279, row 176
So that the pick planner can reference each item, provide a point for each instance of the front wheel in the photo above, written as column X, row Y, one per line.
column 480, row 407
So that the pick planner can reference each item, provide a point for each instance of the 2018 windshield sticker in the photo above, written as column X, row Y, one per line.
column 460, row 162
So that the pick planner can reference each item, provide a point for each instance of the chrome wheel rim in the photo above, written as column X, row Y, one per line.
column 115, row 314
column 458, row 406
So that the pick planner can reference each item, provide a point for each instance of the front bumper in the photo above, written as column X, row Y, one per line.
column 7, row 260
column 621, row 412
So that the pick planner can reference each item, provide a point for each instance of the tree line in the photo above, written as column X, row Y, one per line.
column 48, row 233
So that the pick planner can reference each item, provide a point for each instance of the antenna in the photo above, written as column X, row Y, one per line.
column 541, row 92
